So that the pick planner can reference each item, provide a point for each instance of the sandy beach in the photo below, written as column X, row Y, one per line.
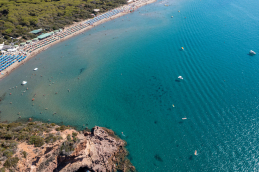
column 15, row 65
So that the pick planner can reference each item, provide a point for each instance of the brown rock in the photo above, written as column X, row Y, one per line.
column 97, row 151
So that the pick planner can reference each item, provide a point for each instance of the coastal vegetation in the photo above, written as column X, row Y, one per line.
column 19, row 17
column 50, row 147
column 32, row 133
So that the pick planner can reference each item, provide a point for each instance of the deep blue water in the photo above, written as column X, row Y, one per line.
column 122, row 75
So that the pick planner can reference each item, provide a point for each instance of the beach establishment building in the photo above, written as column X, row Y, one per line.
column 8, row 48
column 23, row 43
column 12, row 50
column 35, row 39
column 45, row 35
column 36, row 31
column 5, row 47
column 56, row 31
column 28, row 41
column 1, row 46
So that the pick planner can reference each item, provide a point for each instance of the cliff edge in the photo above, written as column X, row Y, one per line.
column 40, row 147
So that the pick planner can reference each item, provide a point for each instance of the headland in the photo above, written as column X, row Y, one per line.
column 37, row 146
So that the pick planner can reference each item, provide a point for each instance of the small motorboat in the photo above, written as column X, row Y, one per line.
column 35, row 69
column 180, row 77
column 24, row 82
column 195, row 153
column 184, row 118
column 251, row 52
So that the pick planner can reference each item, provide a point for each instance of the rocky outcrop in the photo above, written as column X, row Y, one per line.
column 96, row 150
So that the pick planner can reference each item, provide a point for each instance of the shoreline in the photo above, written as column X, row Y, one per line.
column 36, row 52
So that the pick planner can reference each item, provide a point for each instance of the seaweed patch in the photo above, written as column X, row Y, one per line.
column 2, row 97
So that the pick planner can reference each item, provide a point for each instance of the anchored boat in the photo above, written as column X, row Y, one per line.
column 251, row 52
column 180, row 77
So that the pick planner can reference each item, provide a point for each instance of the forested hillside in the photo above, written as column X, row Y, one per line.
column 19, row 17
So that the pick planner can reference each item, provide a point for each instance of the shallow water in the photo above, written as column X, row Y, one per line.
column 123, row 75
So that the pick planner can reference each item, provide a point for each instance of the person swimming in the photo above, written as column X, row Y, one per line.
column 122, row 134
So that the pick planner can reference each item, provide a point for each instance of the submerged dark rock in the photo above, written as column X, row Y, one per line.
column 191, row 157
column 158, row 158
column 81, row 70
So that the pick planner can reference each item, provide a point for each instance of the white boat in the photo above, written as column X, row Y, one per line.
column 24, row 82
column 251, row 52
column 35, row 69
column 180, row 77
column 184, row 118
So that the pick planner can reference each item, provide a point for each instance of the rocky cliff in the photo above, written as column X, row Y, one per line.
column 64, row 149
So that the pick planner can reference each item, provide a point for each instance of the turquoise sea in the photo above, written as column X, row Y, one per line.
column 123, row 75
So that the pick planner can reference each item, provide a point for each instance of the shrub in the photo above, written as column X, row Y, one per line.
column 67, row 148
column 68, row 138
column 18, row 128
column 74, row 134
column 24, row 154
column 11, row 162
column 36, row 141
column 13, row 144
column 31, row 123
column 25, row 129
column 5, row 144
column 8, row 153
column 3, row 125
column 63, row 127
column 75, row 139
column 51, row 138
column 13, row 124
column 23, row 136
column 8, row 136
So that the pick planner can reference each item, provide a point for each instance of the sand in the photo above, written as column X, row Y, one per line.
column 11, row 68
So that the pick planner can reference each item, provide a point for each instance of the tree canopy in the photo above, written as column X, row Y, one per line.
column 19, row 17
